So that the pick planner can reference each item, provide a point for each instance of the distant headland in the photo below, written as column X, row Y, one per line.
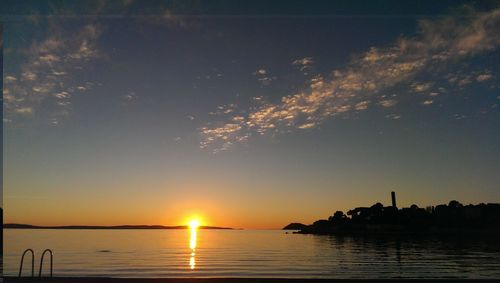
column 452, row 219
column 295, row 226
column 118, row 227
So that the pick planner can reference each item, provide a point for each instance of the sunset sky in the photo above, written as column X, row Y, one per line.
column 248, row 116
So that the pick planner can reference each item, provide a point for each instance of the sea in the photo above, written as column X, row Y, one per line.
column 247, row 253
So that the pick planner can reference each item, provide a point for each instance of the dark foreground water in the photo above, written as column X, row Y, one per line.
column 249, row 253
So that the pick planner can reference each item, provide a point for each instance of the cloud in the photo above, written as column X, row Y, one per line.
column 260, row 72
column 29, row 75
column 421, row 87
column 129, row 97
column 48, row 73
column 224, row 109
column 393, row 116
column 363, row 105
column 25, row 110
column 10, row 79
column 464, row 82
column 388, row 103
column 304, row 64
column 263, row 77
column 266, row 80
column 438, row 43
column 484, row 77
column 307, row 126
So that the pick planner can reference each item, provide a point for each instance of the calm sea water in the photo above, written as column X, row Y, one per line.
column 248, row 253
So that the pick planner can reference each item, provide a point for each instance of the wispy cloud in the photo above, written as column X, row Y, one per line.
column 363, row 105
column 484, row 77
column 48, row 74
column 360, row 83
column 421, row 87
column 129, row 97
column 304, row 64
column 393, row 116
column 264, row 77
column 388, row 102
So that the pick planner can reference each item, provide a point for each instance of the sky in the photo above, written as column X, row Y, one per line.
column 246, row 116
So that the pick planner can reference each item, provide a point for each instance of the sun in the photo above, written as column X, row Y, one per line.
column 194, row 223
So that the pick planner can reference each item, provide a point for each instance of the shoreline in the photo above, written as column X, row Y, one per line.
column 374, row 233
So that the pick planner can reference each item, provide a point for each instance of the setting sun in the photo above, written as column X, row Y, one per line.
column 194, row 223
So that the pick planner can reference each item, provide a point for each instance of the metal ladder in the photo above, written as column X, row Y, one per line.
column 33, row 262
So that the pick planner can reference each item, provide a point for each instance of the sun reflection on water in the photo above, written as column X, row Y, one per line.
column 193, row 225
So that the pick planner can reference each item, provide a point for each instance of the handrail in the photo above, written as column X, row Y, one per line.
column 32, row 262
column 41, row 262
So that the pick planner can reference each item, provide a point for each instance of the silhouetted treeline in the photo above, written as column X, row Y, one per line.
column 451, row 218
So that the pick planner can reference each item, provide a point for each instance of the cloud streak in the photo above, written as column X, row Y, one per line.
column 360, row 84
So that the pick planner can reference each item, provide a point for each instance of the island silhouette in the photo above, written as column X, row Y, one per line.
column 452, row 219
column 295, row 226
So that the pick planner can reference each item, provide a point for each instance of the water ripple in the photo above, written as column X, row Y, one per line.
column 252, row 254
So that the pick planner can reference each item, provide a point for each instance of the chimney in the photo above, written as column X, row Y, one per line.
column 393, row 196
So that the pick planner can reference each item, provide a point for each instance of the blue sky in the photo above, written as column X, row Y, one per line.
column 150, row 114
